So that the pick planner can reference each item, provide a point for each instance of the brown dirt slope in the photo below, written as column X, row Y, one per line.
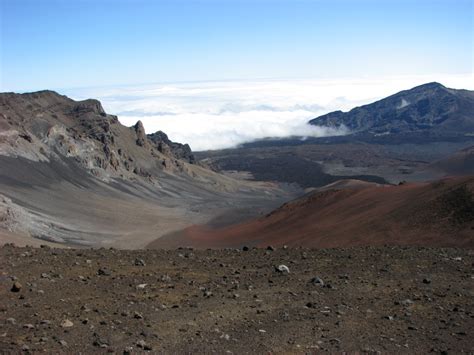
column 431, row 214
column 372, row 300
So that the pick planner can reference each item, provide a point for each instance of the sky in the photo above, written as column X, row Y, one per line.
column 205, row 71
column 77, row 43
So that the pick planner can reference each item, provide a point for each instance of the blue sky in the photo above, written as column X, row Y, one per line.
column 82, row 43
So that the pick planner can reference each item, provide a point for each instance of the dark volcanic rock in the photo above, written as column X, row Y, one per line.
column 429, row 108
column 167, row 147
column 16, row 287
column 89, row 105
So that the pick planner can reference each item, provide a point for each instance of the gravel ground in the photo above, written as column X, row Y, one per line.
column 385, row 299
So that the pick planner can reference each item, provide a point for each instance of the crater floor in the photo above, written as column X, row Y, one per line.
column 388, row 299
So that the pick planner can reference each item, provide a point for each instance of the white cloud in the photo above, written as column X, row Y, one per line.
column 214, row 115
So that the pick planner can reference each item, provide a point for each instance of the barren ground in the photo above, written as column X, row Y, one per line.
column 387, row 299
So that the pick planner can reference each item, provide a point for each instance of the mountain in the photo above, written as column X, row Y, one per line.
column 71, row 173
column 404, row 137
column 348, row 214
column 430, row 109
column 44, row 125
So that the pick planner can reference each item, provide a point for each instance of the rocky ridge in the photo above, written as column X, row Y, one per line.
column 42, row 125
column 431, row 109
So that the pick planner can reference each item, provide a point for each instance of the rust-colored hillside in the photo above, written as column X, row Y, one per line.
column 438, row 213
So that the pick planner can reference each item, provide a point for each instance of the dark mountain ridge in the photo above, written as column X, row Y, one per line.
column 430, row 109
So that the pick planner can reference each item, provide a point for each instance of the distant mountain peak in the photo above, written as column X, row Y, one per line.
column 431, row 85
column 430, row 108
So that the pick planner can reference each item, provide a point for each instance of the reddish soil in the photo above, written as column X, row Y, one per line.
column 430, row 214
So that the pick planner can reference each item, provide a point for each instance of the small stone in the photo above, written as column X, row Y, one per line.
column 137, row 315
column 63, row 342
column 165, row 278
column 142, row 344
column 426, row 281
column 67, row 323
column 282, row 269
column 11, row 320
column 103, row 272
column 100, row 343
column 28, row 326
column 317, row 281
column 406, row 302
column 139, row 262
column 245, row 248
column 16, row 287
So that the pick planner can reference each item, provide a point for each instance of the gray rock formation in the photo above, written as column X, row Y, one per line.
column 166, row 146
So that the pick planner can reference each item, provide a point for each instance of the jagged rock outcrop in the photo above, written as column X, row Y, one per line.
column 89, row 105
column 167, row 147
column 141, row 135
column 45, row 125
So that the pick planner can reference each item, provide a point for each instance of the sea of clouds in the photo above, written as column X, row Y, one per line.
column 224, row 114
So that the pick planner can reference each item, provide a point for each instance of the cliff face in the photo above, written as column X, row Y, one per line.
column 44, row 125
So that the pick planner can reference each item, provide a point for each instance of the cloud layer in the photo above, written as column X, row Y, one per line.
column 224, row 114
